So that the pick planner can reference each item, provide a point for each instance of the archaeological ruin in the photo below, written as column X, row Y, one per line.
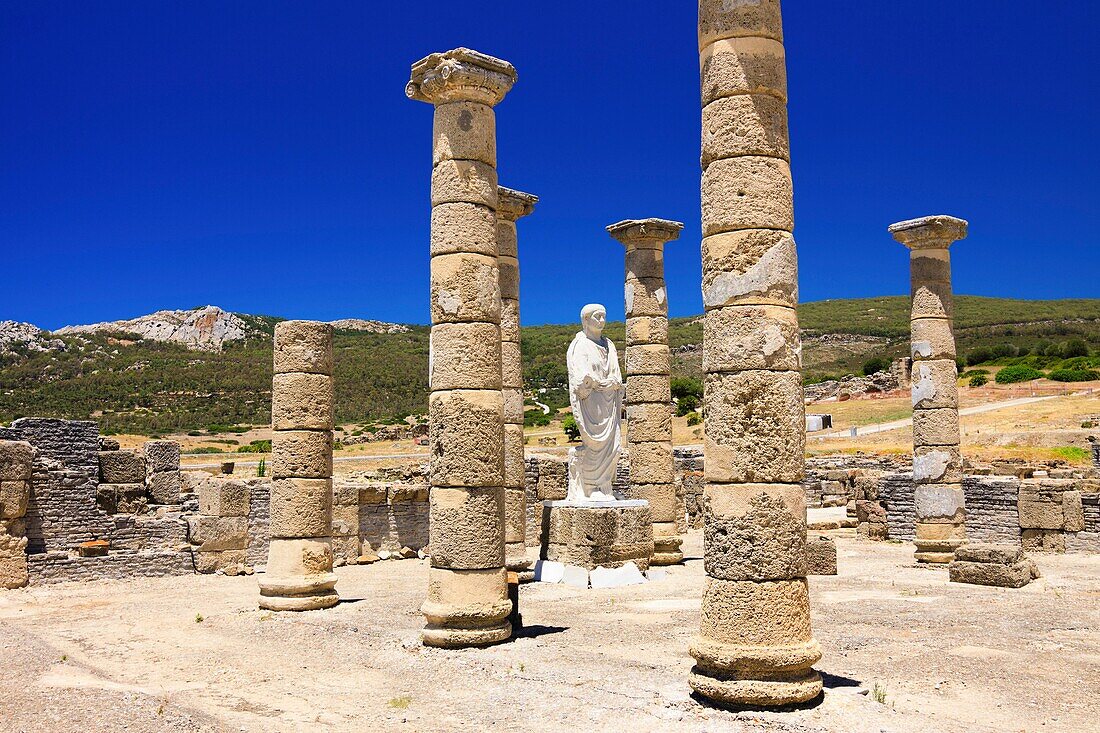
column 740, row 510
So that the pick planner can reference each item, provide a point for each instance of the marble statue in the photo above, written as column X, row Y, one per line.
column 596, row 395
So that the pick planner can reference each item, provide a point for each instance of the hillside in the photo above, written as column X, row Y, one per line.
column 135, row 384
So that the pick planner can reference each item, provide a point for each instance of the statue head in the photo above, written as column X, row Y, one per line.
column 593, row 319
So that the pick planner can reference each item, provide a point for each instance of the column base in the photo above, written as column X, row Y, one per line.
column 298, row 593
column 756, row 689
column 666, row 551
column 515, row 557
column 444, row 637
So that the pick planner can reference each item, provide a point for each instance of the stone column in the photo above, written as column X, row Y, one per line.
column 648, row 395
column 467, row 603
column 755, row 646
column 299, row 567
column 16, row 469
column 937, row 464
column 512, row 206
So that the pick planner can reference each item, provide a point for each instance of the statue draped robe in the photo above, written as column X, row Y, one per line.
column 596, row 396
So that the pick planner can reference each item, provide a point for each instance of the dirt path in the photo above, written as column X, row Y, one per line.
column 132, row 656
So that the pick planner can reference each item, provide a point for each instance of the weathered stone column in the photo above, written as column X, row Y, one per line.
column 299, row 567
column 511, row 206
column 937, row 464
column 755, row 646
column 467, row 602
column 648, row 395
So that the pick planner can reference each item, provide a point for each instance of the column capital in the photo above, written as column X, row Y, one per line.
column 513, row 204
column 640, row 232
column 930, row 232
column 460, row 75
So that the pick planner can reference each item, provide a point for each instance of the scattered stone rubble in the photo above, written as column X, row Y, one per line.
column 1005, row 566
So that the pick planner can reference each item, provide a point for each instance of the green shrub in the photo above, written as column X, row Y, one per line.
column 261, row 470
column 571, row 429
column 1074, row 347
column 694, row 418
column 877, row 364
column 204, row 451
column 1074, row 375
column 685, row 386
column 979, row 380
column 256, row 446
column 686, row 404
column 535, row 419
column 979, row 355
column 1018, row 373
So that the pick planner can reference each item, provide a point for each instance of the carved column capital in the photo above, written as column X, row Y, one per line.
column 460, row 75
column 646, row 233
column 930, row 232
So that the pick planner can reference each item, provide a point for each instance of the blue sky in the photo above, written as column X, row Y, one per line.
column 261, row 156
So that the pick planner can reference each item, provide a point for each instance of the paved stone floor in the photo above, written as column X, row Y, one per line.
column 135, row 656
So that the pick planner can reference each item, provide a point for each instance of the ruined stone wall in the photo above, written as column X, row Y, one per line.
column 259, row 522
column 393, row 516
column 546, row 479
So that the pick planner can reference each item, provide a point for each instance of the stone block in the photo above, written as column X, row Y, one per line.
column 471, row 605
column 108, row 443
column 161, row 456
column 121, row 467
column 165, row 487
column 301, row 402
column 940, row 532
column 754, row 532
column 652, row 463
column 345, row 550
column 467, row 438
column 646, row 297
column 509, row 281
column 820, row 556
column 755, row 427
column 224, row 497
column 751, row 267
column 303, row 346
column 301, row 507
column 935, row 384
column 755, row 18
column 647, row 330
column 509, row 318
column 936, row 427
column 301, row 453
column 1041, row 514
column 211, row 562
column 465, row 356
column 13, row 561
column 16, row 460
column 648, row 388
column 932, row 338
column 467, row 528
column 875, row 530
column 127, row 498
column 13, row 499
column 218, row 533
column 750, row 192
column 929, row 266
column 511, row 364
column 465, row 288
column 663, row 504
column 457, row 228
column 345, row 521
column 995, row 574
column 741, row 66
column 590, row 557
column 756, row 614
column 513, row 456
column 647, row 359
column 464, row 131
column 1073, row 511
column 464, row 181
column 747, row 124
column 408, row 493
column 870, row 511
column 740, row 338
column 648, row 421
column 515, row 516
column 939, row 503
column 644, row 263
column 932, row 300
column 990, row 553
column 513, row 406
column 374, row 494
column 937, row 464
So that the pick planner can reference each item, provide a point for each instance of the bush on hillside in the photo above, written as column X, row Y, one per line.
column 1074, row 375
column 877, row 364
column 979, row 355
column 1018, row 373
column 687, row 386
column 979, row 380
column 686, row 404
column 694, row 419
column 1073, row 348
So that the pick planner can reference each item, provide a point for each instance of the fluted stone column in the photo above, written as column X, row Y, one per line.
column 937, row 463
column 467, row 603
column 648, row 395
column 299, row 573
column 755, row 646
column 511, row 206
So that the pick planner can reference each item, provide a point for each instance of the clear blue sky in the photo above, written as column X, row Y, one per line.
column 261, row 156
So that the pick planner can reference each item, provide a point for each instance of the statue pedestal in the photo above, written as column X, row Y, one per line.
column 590, row 535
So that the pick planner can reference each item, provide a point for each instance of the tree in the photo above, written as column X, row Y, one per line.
column 877, row 364
column 1074, row 348
column 685, row 386
column 572, row 431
